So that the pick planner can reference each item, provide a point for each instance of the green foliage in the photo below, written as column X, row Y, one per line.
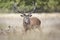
column 48, row 5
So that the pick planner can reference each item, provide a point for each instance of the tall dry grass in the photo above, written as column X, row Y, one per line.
column 50, row 25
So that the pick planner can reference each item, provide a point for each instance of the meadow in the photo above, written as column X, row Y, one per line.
column 50, row 26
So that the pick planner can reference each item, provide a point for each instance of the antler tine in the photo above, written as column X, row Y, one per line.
column 15, row 7
column 34, row 4
column 33, row 8
column 23, row 12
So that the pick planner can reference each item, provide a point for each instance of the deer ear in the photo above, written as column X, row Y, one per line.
column 21, row 15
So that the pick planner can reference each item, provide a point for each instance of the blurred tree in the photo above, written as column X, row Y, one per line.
column 41, row 5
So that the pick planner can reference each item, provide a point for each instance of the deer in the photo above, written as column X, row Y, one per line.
column 30, row 22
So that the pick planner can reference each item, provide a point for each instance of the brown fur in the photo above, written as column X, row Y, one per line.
column 34, row 23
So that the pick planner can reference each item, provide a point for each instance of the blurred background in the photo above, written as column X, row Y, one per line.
column 11, row 23
column 6, row 6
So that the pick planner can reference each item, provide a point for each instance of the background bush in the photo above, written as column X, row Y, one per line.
column 41, row 5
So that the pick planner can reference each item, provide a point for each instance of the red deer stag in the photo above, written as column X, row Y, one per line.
column 30, row 22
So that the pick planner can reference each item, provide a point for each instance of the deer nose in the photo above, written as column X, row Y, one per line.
column 26, row 21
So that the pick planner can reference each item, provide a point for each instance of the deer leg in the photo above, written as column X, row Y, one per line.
column 39, row 28
column 26, row 29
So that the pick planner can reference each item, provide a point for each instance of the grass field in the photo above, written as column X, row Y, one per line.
column 50, row 25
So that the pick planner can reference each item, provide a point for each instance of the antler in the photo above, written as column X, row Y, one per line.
column 18, row 11
column 15, row 7
column 34, row 4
